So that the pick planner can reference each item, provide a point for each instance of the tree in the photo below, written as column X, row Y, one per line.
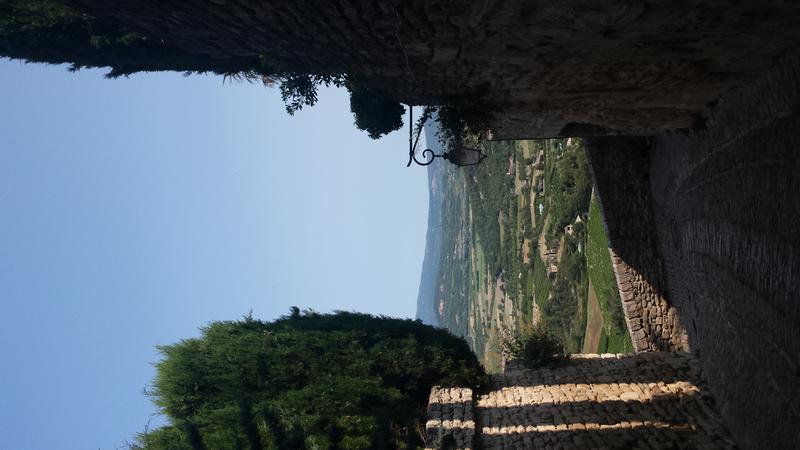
column 373, row 112
column 80, row 34
column 307, row 380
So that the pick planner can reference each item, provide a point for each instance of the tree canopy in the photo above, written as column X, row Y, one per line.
column 307, row 380
column 58, row 32
column 66, row 32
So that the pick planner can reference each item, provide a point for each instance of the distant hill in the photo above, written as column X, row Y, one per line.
column 431, row 264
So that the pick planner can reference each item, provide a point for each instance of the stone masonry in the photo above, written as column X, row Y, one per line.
column 704, row 232
column 649, row 400
column 727, row 208
column 621, row 171
column 450, row 418
column 550, row 67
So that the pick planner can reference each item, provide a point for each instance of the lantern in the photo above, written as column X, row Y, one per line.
column 464, row 156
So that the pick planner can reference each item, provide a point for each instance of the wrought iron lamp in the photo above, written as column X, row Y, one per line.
column 460, row 156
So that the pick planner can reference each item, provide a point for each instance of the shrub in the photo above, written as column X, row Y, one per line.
column 374, row 113
column 306, row 380
column 534, row 347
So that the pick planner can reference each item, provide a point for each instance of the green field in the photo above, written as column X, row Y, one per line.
column 482, row 250
column 615, row 337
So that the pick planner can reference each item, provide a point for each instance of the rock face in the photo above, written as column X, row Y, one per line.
column 647, row 400
column 572, row 67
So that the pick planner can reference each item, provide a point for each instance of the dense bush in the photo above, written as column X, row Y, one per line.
column 374, row 113
column 307, row 380
column 533, row 347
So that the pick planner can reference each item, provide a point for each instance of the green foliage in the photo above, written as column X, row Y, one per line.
column 458, row 122
column 307, row 380
column 490, row 192
column 598, row 260
column 373, row 112
column 565, row 195
column 533, row 346
column 565, row 312
column 491, row 196
column 541, row 284
column 54, row 31
column 21, row 16
column 164, row 437
column 300, row 89
column 602, row 346
column 59, row 32
column 570, row 188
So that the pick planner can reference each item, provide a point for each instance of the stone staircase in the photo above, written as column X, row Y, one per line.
column 645, row 400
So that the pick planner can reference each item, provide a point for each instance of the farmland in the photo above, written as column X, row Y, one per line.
column 522, row 236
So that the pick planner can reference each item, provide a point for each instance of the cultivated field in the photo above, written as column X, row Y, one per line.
column 521, row 243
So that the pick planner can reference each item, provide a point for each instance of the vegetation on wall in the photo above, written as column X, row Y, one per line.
column 54, row 32
column 307, row 380
column 58, row 32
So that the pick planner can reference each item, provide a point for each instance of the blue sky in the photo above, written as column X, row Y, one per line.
column 134, row 211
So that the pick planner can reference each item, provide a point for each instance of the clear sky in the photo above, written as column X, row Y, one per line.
column 134, row 211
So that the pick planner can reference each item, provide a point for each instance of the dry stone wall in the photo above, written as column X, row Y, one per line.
column 621, row 172
column 451, row 419
column 550, row 66
column 649, row 400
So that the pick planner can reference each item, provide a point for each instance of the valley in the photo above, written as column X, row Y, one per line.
column 522, row 243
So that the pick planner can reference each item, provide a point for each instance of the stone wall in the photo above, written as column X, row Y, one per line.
column 451, row 420
column 621, row 171
column 727, row 208
column 647, row 400
column 704, row 234
column 551, row 67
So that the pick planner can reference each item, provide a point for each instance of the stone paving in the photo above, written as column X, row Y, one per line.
column 645, row 400
column 450, row 418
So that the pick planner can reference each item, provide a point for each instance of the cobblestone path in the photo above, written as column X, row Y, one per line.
column 645, row 400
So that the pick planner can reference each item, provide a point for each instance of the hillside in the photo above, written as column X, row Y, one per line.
column 515, row 250
column 446, row 225
column 437, row 188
